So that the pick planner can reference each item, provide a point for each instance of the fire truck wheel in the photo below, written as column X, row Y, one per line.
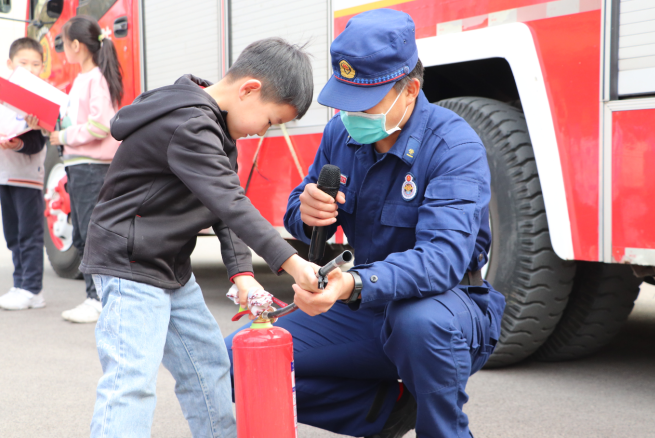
column 602, row 298
column 62, row 255
column 522, row 264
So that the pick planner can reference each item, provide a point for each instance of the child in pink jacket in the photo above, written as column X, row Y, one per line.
column 88, row 147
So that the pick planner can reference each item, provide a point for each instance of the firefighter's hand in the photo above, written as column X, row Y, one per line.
column 54, row 138
column 32, row 122
column 317, row 208
column 340, row 286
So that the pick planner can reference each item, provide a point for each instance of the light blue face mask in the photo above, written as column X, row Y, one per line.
column 369, row 128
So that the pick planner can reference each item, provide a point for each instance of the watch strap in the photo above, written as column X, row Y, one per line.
column 356, row 290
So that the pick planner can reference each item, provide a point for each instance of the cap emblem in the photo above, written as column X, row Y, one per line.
column 346, row 69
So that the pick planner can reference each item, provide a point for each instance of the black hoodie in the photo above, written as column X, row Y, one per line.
column 173, row 176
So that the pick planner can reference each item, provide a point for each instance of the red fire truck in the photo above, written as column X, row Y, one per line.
column 561, row 92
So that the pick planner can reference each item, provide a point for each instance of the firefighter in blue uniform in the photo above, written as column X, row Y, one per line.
column 414, row 196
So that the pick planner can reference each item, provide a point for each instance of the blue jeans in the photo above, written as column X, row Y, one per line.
column 142, row 326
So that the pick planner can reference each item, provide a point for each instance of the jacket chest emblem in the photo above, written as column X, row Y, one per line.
column 409, row 187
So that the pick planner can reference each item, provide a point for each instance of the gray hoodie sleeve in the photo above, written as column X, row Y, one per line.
column 196, row 156
column 236, row 254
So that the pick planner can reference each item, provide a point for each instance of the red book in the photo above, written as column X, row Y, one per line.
column 25, row 94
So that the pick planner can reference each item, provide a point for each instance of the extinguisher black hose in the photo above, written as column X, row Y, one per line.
column 281, row 312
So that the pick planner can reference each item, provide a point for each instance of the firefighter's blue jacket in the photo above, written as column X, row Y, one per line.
column 418, row 217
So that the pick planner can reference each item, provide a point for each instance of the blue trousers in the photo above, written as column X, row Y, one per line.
column 343, row 358
column 84, row 184
column 22, row 222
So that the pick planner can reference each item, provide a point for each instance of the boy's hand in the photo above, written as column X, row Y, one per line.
column 303, row 272
column 32, row 122
column 15, row 144
column 340, row 286
column 54, row 138
column 317, row 208
column 245, row 283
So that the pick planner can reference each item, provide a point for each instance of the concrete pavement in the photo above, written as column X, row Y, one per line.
column 49, row 369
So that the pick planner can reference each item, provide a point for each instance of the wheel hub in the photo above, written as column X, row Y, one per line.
column 58, row 209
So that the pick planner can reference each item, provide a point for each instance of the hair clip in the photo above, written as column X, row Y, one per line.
column 104, row 33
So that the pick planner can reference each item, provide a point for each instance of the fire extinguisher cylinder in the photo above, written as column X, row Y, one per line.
column 264, row 382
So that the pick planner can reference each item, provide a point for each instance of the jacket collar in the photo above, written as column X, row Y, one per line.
column 197, row 85
column 409, row 141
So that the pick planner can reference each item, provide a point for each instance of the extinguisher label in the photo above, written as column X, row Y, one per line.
column 293, row 390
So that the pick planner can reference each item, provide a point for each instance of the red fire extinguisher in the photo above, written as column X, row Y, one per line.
column 264, row 382
column 264, row 375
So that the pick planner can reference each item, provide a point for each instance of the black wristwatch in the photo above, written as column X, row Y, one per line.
column 356, row 290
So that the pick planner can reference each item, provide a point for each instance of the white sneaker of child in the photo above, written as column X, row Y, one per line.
column 21, row 299
column 7, row 296
column 88, row 311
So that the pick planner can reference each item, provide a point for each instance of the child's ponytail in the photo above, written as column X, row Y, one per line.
column 87, row 31
column 107, row 60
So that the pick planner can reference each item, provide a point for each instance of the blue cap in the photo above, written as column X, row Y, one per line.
column 376, row 49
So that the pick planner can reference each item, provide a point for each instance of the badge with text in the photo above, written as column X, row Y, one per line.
column 344, row 179
column 409, row 187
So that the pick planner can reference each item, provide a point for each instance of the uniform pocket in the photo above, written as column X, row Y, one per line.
column 450, row 188
column 351, row 202
column 481, row 358
column 452, row 204
column 399, row 215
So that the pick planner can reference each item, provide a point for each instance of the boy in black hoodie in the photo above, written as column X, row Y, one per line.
column 174, row 175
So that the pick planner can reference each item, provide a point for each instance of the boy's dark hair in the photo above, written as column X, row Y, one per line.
column 87, row 31
column 284, row 70
column 25, row 43
column 416, row 73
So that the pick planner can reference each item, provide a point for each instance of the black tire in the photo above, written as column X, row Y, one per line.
column 66, row 264
column 523, row 266
column 602, row 298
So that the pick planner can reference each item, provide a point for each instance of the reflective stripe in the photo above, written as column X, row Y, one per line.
column 366, row 6
column 72, row 161
column 100, row 126
column 95, row 134
column 522, row 14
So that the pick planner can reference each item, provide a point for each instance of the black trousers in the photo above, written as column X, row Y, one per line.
column 84, row 184
column 22, row 222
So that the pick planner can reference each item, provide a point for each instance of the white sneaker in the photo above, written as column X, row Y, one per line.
column 88, row 311
column 20, row 299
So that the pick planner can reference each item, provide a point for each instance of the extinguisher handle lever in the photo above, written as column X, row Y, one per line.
column 240, row 314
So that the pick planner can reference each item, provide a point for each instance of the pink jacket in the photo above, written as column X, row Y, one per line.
column 86, row 123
